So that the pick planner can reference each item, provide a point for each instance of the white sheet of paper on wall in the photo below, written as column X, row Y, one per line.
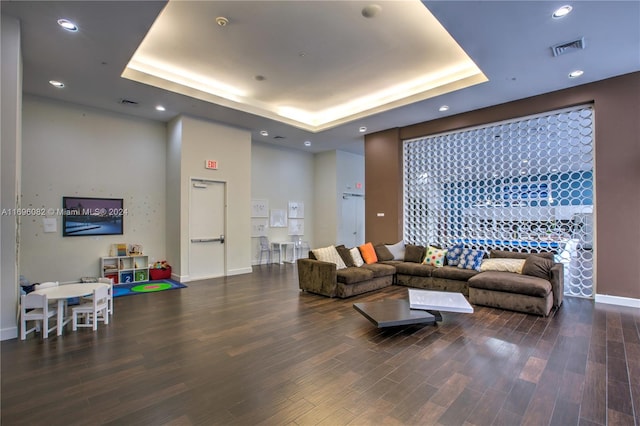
column 50, row 224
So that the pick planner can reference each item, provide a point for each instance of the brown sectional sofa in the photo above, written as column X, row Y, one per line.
column 535, row 294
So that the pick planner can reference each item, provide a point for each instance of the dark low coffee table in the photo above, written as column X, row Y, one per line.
column 393, row 312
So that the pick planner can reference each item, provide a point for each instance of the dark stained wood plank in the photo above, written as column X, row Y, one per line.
column 253, row 349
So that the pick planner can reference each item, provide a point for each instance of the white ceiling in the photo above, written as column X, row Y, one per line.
column 509, row 41
column 269, row 58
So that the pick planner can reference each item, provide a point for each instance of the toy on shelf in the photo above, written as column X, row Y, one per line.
column 135, row 250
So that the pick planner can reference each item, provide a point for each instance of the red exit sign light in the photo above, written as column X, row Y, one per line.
column 211, row 164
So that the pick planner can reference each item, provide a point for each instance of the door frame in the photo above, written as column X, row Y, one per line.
column 192, row 180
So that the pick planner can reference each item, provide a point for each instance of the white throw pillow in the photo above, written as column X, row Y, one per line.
column 397, row 250
column 329, row 254
column 357, row 257
column 503, row 264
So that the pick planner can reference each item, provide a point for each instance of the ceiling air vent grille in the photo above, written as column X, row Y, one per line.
column 128, row 102
column 571, row 46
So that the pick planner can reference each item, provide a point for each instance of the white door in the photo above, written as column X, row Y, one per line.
column 207, row 209
column 351, row 230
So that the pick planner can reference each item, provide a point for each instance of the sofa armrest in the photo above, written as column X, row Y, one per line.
column 557, row 283
column 317, row 277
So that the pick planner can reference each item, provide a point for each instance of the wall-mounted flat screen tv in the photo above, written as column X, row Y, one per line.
column 92, row 216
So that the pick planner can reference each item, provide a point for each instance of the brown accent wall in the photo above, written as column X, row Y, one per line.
column 383, row 183
column 617, row 172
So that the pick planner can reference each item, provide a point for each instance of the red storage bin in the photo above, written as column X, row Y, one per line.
column 159, row 274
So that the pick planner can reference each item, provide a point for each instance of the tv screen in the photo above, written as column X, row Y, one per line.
column 92, row 216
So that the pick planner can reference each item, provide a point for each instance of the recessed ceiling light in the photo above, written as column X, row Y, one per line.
column 444, row 108
column 222, row 21
column 264, row 133
column 56, row 83
column 576, row 73
column 562, row 12
column 363, row 129
column 160, row 108
column 525, row 161
column 68, row 25
column 307, row 143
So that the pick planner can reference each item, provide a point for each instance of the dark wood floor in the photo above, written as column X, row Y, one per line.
column 252, row 349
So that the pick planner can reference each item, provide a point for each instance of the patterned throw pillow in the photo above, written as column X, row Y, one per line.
column 453, row 254
column 357, row 258
column 329, row 254
column 471, row 259
column 434, row 257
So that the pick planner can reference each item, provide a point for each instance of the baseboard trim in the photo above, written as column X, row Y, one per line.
column 9, row 333
column 617, row 300
column 239, row 271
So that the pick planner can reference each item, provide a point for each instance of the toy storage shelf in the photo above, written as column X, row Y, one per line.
column 125, row 269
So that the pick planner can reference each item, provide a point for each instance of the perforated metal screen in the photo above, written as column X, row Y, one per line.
column 525, row 184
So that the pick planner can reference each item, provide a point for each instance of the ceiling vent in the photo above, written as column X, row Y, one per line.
column 571, row 46
column 128, row 102
column 279, row 137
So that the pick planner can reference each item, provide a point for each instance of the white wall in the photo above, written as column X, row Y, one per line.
column 79, row 151
column 326, row 199
column 279, row 176
column 173, row 204
column 10, row 158
column 203, row 140
column 336, row 172
column 349, row 172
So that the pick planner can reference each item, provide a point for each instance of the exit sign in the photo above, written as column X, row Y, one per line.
column 211, row 164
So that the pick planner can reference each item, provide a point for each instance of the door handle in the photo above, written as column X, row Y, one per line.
column 208, row 240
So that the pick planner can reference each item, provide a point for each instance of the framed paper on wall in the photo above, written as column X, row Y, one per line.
column 278, row 218
column 259, row 227
column 259, row 208
column 296, row 209
column 296, row 226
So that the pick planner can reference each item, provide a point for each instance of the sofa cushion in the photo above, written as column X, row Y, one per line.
column 353, row 275
column 329, row 254
column 368, row 253
column 517, row 255
column 454, row 273
column 382, row 252
column 412, row 268
column 397, row 250
column 379, row 269
column 502, row 264
column 471, row 259
column 434, row 257
column 356, row 256
column 345, row 254
column 453, row 254
column 509, row 282
column 537, row 266
column 413, row 253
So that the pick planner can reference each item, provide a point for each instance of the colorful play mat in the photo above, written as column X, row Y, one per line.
column 145, row 287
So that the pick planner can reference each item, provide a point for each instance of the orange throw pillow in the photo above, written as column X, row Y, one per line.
column 368, row 253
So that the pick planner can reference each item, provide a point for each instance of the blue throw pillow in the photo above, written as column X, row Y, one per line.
column 471, row 259
column 453, row 254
